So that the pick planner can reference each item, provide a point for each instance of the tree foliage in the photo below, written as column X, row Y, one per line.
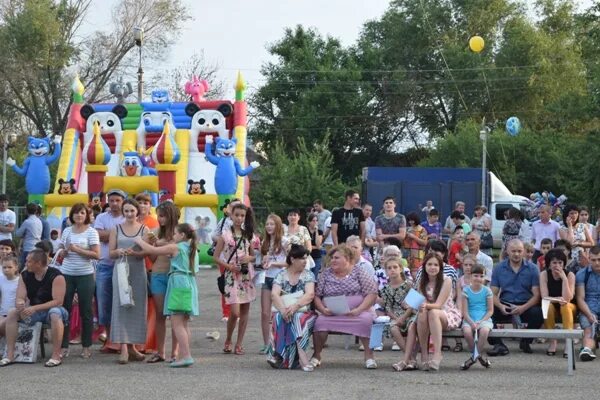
column 41, row 49
column 296, row 178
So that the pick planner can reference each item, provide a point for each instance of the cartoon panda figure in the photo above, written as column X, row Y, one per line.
column 66, row 187
column 208, row 122
column 196, row 187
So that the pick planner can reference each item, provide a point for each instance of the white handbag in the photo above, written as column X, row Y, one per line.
column 125, row 292
column 290, row 299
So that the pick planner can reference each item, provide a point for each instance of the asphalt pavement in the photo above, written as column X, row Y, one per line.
column 225, row 376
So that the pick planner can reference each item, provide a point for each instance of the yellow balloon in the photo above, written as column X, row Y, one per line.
column 476, row 44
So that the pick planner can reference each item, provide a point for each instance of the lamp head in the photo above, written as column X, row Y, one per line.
column 138, row 35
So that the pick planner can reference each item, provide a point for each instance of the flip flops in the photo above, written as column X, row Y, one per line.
column 155, row 358
column 51, row 363
column 5, row 362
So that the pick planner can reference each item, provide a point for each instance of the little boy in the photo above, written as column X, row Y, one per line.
column 545, row 246
column 433, row 225
column 457, row 247
column 9, row 280
column 478, row 307
column 7, row 247
column 529, row 250
column 54, row 239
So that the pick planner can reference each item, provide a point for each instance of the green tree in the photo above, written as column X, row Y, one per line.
column 295, row 178
column 419, row 59
column 530, row 162
column 316, row 88
column 41, row 45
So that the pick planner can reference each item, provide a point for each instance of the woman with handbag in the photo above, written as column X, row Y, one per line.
column 181, row 300
column 128, row 319
column 235, row 255
column 293, row 291
column 80, row 245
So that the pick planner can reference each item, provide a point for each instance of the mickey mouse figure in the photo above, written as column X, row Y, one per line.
column 66, row 187
column 196, row 187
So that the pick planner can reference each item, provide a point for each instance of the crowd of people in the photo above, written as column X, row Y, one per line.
column 122, row 274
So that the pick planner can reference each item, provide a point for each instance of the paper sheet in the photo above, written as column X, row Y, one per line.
column 414, row 299
column 545, row 307
column 376, row 338
column 338, row 305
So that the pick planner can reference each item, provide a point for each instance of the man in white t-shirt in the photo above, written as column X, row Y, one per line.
column 8, row 219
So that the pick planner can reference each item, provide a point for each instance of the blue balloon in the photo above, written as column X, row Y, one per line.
column 513, row 126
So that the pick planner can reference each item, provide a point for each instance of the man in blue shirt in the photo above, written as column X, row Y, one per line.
column 516, row 288
column 588, row 301
column 30, row 231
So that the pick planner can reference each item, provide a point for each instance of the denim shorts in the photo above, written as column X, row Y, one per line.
column 268, row 285
column 584, row 322
column 44, row 316
column 158, row 283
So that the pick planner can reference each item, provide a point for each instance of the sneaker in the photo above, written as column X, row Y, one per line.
column 379, row 348
column 587, row 354
column 370, row 364
column 498, row 350
column 224, row 319
column 361, row 347
column 395, row 347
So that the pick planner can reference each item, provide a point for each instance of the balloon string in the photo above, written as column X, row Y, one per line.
column 487, row 89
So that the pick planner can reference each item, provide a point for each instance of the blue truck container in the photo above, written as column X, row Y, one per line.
column 412, row 187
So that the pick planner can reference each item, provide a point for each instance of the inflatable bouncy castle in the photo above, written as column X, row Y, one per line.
column 192, row 153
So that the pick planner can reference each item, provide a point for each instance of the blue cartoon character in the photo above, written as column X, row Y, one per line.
column 160, row 96
column 35, row 167
column 228, row 167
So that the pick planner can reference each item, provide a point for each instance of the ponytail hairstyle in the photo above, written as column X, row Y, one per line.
column 190, row 234
column 248, row 231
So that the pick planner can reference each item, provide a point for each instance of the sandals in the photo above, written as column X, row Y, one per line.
column 5, row 362
column 184, row 363
column 239, row 350
column 227, row 347
column 458, row 347
column 467, row 364
column 446, row 347
column 123, row 358
column 315, row 362
column 484, row 362
column 86, row 354
column 155, row 358
column 550, row 353
column 308, row 368
column 263, row 349
column 402, row 366
column 135, row 356
column 51, row 363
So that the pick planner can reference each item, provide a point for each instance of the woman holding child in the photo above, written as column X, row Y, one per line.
column 292, row 292
column 342, row 278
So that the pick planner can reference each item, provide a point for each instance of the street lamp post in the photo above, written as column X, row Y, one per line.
column 7, row 141
column 138, row 37
column 483, row 135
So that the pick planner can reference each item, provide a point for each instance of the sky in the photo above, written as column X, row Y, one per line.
column 234, row 33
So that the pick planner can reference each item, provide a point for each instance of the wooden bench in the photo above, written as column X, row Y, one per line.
column 559, row 334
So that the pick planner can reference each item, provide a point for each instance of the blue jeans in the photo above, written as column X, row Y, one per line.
column 104, row 292
column 317, row 267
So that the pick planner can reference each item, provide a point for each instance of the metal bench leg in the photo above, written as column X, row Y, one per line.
column 42, row 347
column 347, row 339
column 570, row 358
